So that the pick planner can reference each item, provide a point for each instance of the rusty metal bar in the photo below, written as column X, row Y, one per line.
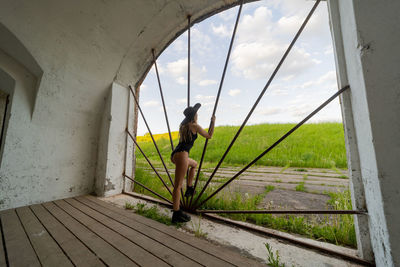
column 148, row 161
column 162, row 99
column 266, row 232
column 188, row 79
column 275, row 144
column 148, row 189
column 260, row 96
column 284, row 211
column 4, row 121
column 148, row 198
column 218, row 95
column 289, row 238
column 152, row 138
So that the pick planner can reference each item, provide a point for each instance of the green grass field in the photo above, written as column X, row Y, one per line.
column 312, row 145
column 319, row 145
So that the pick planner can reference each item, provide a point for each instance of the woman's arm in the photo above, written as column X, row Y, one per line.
column 202, row 132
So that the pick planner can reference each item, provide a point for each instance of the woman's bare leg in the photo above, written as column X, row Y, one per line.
column 181, row 164
column 192, row 171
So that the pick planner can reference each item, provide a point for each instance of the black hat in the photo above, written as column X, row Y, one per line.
column 189, row 113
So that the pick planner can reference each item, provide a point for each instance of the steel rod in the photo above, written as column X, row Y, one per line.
column 276, row 143
column 4, row 121
column 218, row 95
column 148, row 198
column 284, row 211
column 266, row 232
column 162, row 99
column 148, row 189
column 151, row 135
column 289, row 238
column 149, row 162
column 259, row 97
column 188, row 78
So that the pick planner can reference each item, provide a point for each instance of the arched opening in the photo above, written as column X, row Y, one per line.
column 249, row 68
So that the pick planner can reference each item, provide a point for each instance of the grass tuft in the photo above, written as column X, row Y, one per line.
column 301, row 187
column 273, row 259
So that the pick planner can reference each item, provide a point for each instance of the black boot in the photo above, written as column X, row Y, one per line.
column 189, row 191
column 179, row 217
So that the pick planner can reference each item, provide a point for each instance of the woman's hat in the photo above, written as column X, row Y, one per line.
column 189, row 113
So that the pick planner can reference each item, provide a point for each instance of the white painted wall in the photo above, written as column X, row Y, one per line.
column 64, row 56
column 368, row 31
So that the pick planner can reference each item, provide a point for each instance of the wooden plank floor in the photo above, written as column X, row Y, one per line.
column 85, row 231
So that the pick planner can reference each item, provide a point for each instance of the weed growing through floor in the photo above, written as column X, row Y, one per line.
column 301, row 187
column 269, row 188
column 336, row 229
column 278, row 181
column 129, row 206
column 154, row 214
column 273, row 259
column 196, row 227
column 285, row 168
column 301, row 170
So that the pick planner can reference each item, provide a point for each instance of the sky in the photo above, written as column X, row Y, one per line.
column 306, row 79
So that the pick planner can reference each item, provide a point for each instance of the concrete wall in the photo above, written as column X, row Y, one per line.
column 64, row 56
column 367, row 35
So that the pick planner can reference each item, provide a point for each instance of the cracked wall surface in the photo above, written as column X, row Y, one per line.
column 76, row 50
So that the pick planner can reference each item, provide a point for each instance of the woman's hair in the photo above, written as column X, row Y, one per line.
column 185, row 134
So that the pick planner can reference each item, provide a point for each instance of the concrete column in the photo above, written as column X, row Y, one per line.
column 366, row 37
column 113, row 155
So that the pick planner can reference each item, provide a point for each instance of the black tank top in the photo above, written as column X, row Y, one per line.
column 185, row 146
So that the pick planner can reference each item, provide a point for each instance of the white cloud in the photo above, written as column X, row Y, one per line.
column 300, row 110
column 205, row 100
column 179, row 45
column 220, row 30
column 204, row 97
column 328, row 50
column 200, row 41
column 234, row 92
column 262, row 43
column 328, row 79
column 269, row 111
column 279, row 92
column 258, row 59
column 181, row 101
column 181, row 80
column 207, row 82
column 151, row 103
column 177, row 68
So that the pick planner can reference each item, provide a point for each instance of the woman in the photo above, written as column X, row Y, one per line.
column 180, row 157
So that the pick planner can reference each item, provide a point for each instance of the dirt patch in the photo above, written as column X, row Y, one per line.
column 285, row 199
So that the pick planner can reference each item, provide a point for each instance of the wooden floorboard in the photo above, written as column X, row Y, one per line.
column 3, row 261
column 47, row 250
column 125, row 246
column 85, row 231
column 219, row 252
column 154, row 247
column 79, row 254
column 16, row 241
column 101, row 248
column 196, row 255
